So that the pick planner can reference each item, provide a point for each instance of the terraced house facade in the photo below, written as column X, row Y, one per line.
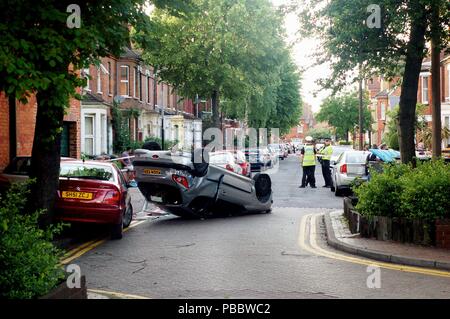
column 140, row 95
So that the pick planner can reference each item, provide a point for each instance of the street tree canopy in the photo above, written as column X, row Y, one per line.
column 41, row 51
column 382, row 37
column 342, row 112
column 231, row 51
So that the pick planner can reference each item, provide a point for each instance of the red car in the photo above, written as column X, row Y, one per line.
column 243, row 163
column 94, row 192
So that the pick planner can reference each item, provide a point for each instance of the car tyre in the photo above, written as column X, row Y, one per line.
column 127, row 216
column 263, row 186
column 337, row 191
column 200, row 169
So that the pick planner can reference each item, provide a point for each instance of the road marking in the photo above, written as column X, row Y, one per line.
column 81, row 250
column 116, row 294
column 314, row 248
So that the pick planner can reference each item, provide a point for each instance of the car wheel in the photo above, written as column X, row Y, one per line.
column 337, row 191
column 200, row 161
column 127, row 216
column 117, row 231
column 263, row 186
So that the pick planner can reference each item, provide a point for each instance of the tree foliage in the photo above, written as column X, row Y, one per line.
column 40, row 54
column 396, row 47
column 342, row 112
column 232, row 50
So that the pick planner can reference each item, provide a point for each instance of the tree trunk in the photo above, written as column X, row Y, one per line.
column 215, row 109
column 45, row 159
column 436, row 81
column 408, row 97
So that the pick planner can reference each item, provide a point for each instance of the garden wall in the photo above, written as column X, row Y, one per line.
column 398, row 229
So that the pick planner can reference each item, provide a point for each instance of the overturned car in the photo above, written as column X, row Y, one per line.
column 185, row 184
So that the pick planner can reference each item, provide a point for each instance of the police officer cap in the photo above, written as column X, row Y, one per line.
column 308, row 139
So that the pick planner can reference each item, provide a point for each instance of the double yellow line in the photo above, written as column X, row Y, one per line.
column 313, row 248
column 84, row 248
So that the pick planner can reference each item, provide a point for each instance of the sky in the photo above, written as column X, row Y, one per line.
column 302, row 51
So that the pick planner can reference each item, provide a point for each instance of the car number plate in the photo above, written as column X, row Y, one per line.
column 76, row 195
column 156, row 199
column 151, row 171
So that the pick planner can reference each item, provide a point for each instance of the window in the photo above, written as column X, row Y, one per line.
column 136, row 82
column 124, row 80
column 86, row 75
column 149, row 89
column 99, row 80
column 141, row 91
column 383, row 111
column 89, row 134
column 109, row 79
column 425, row 89
column 447, row 125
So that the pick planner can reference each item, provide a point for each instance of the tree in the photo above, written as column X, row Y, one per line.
column 288, row 108
column 390, row 40
column 320, row 133
column 41, row 49
column 226, row 50
column 342, row 112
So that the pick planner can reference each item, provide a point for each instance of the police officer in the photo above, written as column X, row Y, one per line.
column 325, row 153
column 308, row 159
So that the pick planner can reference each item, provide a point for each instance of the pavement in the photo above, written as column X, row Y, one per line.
column 340, row 237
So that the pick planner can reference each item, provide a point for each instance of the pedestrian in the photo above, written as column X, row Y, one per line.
column 308, row 159
column 383, row 147
column 325, row 153
column 126, row 162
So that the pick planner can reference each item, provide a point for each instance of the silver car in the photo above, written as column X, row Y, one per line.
column 185, row 184
column 350, row 166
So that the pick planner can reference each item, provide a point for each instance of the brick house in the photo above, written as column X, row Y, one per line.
column 306, row 122
column 141, row 96
column 24, row 124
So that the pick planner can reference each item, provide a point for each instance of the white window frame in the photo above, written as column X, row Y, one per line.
column 86, row 73
column 89, row 136
column 127, row 81
column 383, row 111
column 99, row 80
column 109, row 78
column 425, row 99
column 447, row 98
column 135, row 82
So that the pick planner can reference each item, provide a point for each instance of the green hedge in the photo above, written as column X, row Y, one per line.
column 402, row 191
column 29, row 262
column 345, row 143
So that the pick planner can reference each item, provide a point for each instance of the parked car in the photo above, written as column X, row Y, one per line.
column 225, row 159
column 94, row 192
column 239, row 156
column 259, row 159
column 91, row 191
column 350, row 166
column 185, row 184
column 278, row 150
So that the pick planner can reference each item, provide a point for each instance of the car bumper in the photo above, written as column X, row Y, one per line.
column 88, row 215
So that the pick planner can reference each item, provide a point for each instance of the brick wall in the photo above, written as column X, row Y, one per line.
column 443, row 233
column 26, row 119
column 4, row 131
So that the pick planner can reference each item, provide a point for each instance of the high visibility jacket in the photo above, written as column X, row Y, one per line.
column 309, row 158
column 327, row 151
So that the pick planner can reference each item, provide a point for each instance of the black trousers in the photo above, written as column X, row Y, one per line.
column 326, row 172
column 308, row 175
